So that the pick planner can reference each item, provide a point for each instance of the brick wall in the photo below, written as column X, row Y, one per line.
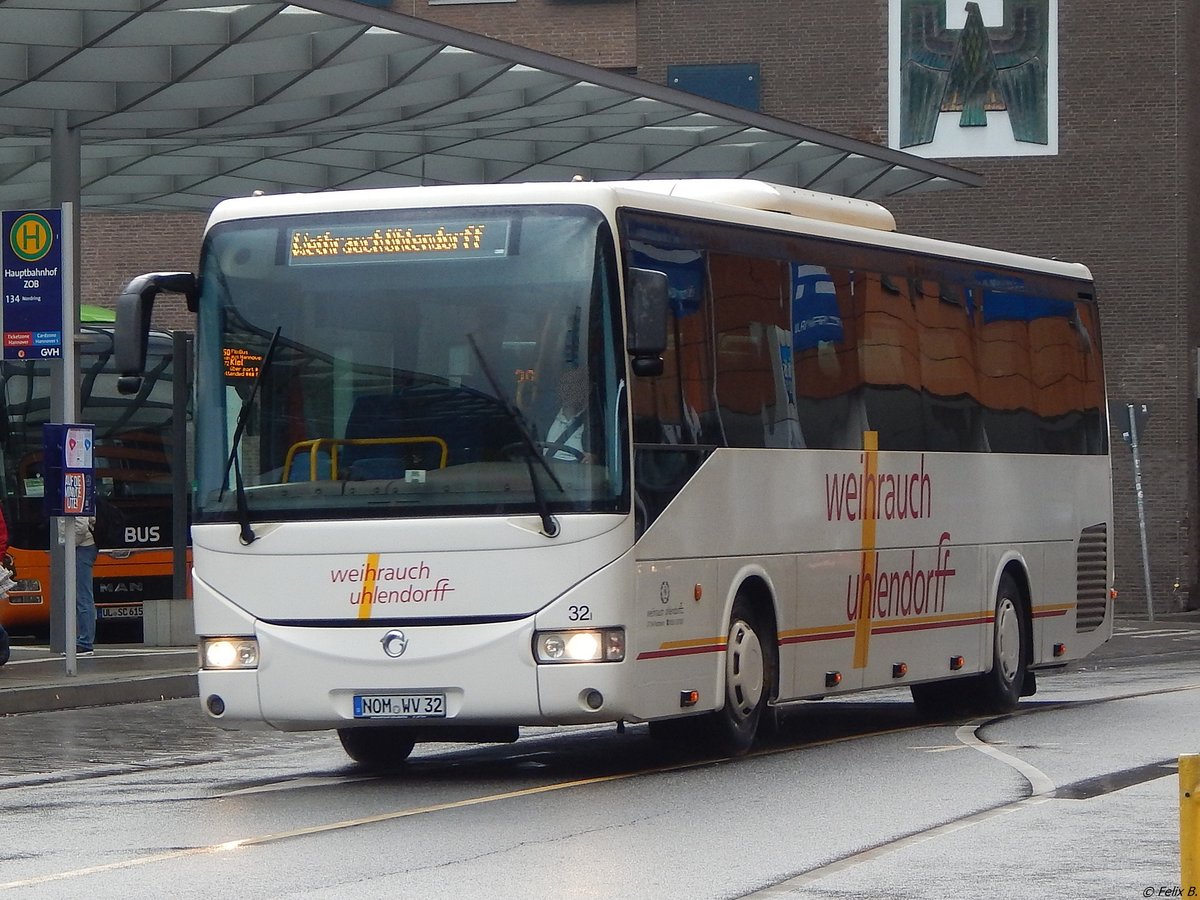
column 823, row 62
column 1189, row 188
column 597, row 32
column 115, row 247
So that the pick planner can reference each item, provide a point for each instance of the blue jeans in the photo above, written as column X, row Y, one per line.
column 85, row 602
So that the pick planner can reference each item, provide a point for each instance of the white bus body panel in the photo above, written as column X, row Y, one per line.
column 794, row 518
column 309, row 671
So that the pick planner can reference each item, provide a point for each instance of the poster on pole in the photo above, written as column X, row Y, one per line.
column 32, row 284
column 69, row 469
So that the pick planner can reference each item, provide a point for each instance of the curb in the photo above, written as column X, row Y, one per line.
column 137, row 689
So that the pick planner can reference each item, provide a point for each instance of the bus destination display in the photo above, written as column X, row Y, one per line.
column 472, row 239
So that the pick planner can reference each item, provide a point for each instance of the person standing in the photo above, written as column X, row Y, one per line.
column 85, row 601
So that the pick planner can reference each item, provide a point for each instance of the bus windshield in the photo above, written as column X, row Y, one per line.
column 393, row 363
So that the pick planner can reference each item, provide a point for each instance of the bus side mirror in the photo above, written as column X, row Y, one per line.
column 646, row 334
column 132, row 333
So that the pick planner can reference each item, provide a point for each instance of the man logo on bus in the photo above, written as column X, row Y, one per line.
column 394, row 644
column 31, row 237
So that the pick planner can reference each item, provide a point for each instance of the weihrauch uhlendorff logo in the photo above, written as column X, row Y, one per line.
column 372, row 584
column 885, row 587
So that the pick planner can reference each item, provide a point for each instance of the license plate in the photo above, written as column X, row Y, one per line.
column 399, row 706
column 119, row 612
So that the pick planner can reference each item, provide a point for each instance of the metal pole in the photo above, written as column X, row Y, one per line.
column 70, row 406
column 65, row 180
column 181, row 355
column 1141, row 506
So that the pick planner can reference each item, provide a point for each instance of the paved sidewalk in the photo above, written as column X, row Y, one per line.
column 35, row 679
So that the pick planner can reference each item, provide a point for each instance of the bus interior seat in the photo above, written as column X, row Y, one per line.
column 301, row 469
column 382, row 416
column 475, row 427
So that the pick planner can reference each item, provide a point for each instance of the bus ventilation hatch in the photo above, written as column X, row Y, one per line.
column 1091, row 577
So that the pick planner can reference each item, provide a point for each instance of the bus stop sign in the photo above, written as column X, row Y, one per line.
column 33, row 284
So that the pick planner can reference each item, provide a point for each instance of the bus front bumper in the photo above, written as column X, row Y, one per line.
column 313, row 678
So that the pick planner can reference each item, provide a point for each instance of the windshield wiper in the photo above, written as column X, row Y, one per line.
column 550, row 526
column 248, row 536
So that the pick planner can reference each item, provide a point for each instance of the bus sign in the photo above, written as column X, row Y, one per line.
column 32, row 284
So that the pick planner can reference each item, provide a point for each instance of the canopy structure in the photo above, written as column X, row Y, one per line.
column 176, row 104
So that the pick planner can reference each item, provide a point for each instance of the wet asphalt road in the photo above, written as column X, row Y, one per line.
column 856, row 798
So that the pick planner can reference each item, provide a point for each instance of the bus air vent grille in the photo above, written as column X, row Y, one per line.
column 1091, row 578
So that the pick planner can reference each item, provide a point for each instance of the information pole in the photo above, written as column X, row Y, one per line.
column 37, row 247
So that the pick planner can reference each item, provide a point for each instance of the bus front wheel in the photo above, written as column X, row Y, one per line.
column 378, row 748
column 748, row 668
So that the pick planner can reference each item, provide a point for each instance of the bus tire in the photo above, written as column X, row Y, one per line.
column 749, row 662
column 5, row 646
column 991, row 692
column 1000, row 689
column 378, row 748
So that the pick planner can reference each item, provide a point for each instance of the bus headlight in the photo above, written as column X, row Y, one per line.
column 592, row 645
column 229, row 653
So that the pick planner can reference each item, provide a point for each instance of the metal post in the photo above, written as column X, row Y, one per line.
column 1141, row 506
column 69, row 413
column 65, row 180
column 1189, row 824
column 181, row 357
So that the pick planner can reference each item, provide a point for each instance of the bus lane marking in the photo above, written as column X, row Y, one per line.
column 328, row 827
column 1041, row 786
column 262, row 840
column 781, row 889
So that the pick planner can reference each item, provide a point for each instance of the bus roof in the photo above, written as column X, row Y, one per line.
column 744, row 201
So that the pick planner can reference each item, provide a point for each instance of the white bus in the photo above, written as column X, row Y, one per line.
column 805, row 456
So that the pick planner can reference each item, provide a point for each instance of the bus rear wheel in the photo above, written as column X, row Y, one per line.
column 991, row 692
column 378, row 748
column 749, row 664
column 1000, row 689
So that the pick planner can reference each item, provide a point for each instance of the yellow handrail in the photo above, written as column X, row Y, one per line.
column 313, row 445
